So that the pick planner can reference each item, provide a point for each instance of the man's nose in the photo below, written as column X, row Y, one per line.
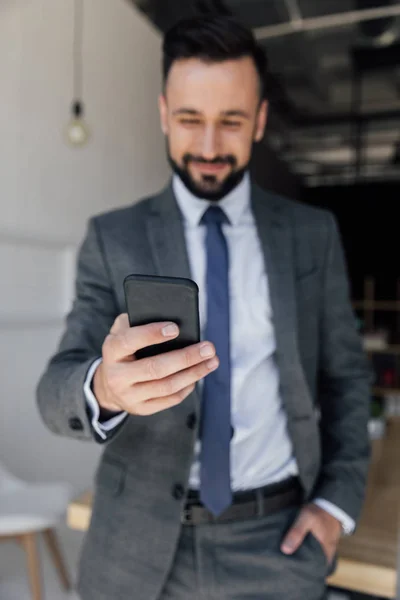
column 209, row 149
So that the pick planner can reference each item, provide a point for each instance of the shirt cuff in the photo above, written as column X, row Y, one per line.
column 105, row 426
column 348, row 524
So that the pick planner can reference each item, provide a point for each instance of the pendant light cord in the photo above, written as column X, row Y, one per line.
column 77, row 51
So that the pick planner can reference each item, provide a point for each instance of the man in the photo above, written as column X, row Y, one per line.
column 237, row 485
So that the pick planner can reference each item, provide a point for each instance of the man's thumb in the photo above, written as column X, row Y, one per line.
column 295, row 536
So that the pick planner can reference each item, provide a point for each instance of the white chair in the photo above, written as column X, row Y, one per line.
column 28, row 509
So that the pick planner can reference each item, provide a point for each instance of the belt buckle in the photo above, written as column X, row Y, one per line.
column 186, row 516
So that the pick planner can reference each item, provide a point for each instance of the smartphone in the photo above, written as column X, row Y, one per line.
column 153, row 299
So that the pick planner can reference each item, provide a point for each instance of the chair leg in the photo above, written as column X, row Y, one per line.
column 55, row 552
column 28, row 541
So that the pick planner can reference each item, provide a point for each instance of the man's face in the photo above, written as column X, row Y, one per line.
column 211, row 115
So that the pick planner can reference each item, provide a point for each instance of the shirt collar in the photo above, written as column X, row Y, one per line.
column 233, row 204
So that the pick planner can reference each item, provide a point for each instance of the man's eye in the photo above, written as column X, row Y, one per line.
column 232, row 124
column 190, row 121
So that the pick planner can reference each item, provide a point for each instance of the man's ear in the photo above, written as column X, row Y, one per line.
column 261, row 121
column 162, row 106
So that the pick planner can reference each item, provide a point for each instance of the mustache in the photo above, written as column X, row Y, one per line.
column 218, row 160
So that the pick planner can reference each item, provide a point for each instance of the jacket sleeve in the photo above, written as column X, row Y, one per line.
column 344, row 389
column 60, row 391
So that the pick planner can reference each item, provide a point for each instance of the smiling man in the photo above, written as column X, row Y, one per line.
column 239, row 487
column 212, row 113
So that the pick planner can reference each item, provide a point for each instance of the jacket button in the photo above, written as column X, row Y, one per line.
column 178, row 491
column 191, row 420
column 76, row 424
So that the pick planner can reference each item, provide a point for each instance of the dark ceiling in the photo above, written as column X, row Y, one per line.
column 335, row 110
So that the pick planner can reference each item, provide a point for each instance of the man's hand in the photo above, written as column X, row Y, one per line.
column 149, row 385
column 321, row 524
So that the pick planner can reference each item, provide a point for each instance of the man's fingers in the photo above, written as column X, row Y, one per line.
column 158, row 404
column 128, row 340
column 161, row 388
column 163, row 366
column 296, row 534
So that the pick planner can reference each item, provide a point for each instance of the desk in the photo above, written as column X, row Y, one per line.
column 368, row 559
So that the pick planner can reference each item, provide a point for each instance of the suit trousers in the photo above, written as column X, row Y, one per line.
column 242, row 560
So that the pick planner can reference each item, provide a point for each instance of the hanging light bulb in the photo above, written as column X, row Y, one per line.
column 77, row 132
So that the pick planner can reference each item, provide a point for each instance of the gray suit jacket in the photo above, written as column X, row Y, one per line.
column 324, row 374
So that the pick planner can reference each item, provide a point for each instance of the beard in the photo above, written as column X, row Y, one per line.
column 209, row 188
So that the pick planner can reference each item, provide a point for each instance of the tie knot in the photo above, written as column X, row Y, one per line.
column 214, row 215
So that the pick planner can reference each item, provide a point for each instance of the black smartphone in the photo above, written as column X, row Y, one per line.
column 153, row 299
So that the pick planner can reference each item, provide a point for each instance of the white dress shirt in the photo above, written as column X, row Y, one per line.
column 261, row 449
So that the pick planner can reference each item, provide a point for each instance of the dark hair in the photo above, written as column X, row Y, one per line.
column 213, row 38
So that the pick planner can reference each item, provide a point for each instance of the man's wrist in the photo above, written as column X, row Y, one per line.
column 346, row 522
column 106, row 414
column 102, row 422
column 106, row 411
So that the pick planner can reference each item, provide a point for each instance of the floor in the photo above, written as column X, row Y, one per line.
column 13, row 583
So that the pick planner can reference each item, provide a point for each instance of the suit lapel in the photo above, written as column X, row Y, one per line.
column 166, row 235
column 275, row 233
column 167, row 241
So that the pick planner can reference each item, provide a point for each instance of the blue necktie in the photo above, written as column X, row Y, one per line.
column 215, row 426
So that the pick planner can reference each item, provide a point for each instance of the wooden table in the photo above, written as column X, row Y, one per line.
column 369, row 559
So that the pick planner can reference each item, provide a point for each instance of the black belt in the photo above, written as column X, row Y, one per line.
column 247, row 504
